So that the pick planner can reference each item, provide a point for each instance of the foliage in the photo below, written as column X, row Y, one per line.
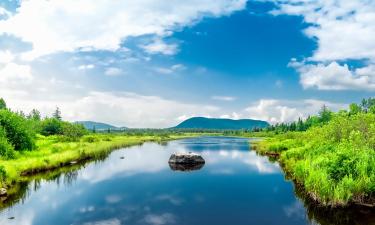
column 17, row 130
column 34, row 115
column 57, row 114
column 3, row 105
column 334, row 162
column 51, row 126
column 73, row 132
column 6, row 149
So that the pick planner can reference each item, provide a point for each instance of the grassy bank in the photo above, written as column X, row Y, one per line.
column 334, row 163
column 51, row 152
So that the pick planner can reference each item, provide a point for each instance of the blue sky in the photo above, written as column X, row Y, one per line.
column 154, row 63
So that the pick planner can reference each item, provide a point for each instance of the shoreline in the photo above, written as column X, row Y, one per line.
column 310, row 197
column 47, row 158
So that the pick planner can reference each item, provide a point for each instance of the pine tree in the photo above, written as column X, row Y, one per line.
column 57, row 114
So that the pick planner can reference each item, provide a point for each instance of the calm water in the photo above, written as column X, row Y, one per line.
column 235, row 186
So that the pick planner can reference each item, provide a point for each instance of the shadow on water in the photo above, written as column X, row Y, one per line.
column 186, row 167
column 352, row 215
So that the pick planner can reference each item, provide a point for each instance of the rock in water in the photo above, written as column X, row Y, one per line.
column 186, row 158
column 3, row 191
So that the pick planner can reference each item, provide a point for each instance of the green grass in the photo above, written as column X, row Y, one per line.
column 335, row 163
column 52, row 152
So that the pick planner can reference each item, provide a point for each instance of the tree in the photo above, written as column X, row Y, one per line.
column 325, row 114
column 354, row 109
column 3, row 105
column 18, row 131
column 57, row 114
column 34, row 115
column 51, row 126
column 94, row 129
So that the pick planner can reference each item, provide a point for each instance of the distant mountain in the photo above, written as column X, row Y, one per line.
column 98, row 126
column 227, row 124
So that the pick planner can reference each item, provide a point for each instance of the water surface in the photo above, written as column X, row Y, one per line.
column 137, row 186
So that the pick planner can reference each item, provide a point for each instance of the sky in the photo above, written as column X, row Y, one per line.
column 154, row 63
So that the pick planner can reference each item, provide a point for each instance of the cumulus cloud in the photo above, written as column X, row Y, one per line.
column 334, row 76
column 56, row 26
column 159, row 46
column 13, row 73
column 344, row 30
column 121, row 108
column 6, row 56
column 276, row 111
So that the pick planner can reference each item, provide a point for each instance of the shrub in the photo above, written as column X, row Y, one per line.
column 6, row 149
column 73, row 132
column 51, row 126
column 17, row 130
column 90, row 139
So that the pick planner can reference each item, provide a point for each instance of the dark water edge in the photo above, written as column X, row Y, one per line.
column 310, row 213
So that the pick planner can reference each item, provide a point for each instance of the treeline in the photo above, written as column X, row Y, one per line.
column 18, row 131
column 324, row 116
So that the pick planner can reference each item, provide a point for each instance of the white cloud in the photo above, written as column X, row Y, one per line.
column 113, row 71
column 121, row 109
column 6, row 56
column 165, row 218
column 170, row 70
column 344, row 30
column 336, row 77
column 223, row 98
column 233, row 116
column 276, row 111
column 55, row 26
column 159, row 46
column 86, row 67
column 13, row 73
column 4, row 13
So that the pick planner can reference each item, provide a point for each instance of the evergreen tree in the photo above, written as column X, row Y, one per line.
column 57, row 114
column 34, row 115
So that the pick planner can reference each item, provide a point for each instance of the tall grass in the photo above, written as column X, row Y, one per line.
column 334, row 163
column 52, row 152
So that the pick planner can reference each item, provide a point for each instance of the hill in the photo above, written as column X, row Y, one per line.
column 225, row 124
column 98, row 126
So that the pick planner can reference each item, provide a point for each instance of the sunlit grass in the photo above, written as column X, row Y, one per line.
column 52, row 152
column 334, row 163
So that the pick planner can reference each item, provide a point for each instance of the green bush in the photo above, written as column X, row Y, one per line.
column 6, row 149
column 90, row 139
column 51, row 126
column 17, row 130
column 335, row 162
column 73, row 132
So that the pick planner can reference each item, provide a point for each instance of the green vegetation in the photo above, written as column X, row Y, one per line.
column 30, row 144
column 334, row 159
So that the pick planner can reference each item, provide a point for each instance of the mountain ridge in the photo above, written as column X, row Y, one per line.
column 221, row 124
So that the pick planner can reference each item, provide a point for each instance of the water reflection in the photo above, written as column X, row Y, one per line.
column 234, row 187
column 186, row 167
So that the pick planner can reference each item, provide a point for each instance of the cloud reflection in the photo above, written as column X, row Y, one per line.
column 153, row 158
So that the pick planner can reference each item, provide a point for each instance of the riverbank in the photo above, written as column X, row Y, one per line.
column 331, row 174
column 52, row 153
